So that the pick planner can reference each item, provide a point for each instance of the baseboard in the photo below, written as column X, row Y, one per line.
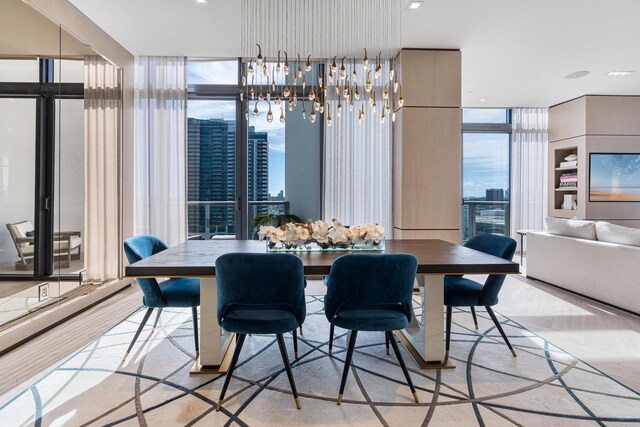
column 585, row 296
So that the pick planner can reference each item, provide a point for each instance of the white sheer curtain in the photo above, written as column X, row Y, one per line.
column 102, row 117
column 357, row 162
column 529, row 168
column 160, row 148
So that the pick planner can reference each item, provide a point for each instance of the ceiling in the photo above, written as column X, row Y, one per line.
column 514, row 52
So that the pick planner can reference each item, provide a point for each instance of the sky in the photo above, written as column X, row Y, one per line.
column 485, row 163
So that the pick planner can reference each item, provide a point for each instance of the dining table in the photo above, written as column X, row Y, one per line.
column 423, row 337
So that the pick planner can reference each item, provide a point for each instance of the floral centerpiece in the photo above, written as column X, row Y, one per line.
column 321, row 236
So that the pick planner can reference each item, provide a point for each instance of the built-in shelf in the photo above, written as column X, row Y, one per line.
column 570, row 168
column 567, row 189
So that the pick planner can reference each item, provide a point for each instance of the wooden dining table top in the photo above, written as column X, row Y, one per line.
column 197, row 258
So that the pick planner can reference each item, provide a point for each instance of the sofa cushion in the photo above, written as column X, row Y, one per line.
column 612, row 233
column 571, row 228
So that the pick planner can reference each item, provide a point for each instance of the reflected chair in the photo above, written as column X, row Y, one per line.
column 462, row 292
column 368, row 292
column 174, row 293
column 260, row 294
column 67, row 245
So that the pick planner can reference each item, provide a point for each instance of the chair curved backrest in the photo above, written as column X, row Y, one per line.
column 138, row 248
column 371, row 279
column 261, row 280
column 500, row 246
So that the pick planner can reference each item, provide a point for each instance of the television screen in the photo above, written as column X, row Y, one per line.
column 614, row 177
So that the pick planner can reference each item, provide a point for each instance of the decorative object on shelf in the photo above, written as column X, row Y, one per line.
column 570, row 202
column 333, row 32
column 571, row 158
column 568, row 180
column 320, row 236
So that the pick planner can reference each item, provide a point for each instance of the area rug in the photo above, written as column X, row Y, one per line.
column 544, row 385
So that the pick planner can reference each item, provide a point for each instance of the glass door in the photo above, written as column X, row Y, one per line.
column 18, row 237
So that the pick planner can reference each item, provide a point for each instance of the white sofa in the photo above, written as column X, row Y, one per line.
column 607, row 272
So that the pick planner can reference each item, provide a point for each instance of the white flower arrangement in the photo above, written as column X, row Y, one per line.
column 320, row 235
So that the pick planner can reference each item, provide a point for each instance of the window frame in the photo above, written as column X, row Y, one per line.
column 492, row 128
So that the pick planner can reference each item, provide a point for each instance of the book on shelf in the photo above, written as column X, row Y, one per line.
column 569, row 164
column 570, row 184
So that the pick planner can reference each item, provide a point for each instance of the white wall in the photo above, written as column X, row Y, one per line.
column 17, row 168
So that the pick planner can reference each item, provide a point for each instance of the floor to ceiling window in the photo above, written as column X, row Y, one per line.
column 486, row 165
column 240, row 165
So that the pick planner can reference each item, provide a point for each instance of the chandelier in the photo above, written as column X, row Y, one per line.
column 331, row 78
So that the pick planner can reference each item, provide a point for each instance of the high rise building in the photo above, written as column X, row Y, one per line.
column 494, row 194
column 211, row 160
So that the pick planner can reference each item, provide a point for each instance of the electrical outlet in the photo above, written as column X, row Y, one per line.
column 43, row 292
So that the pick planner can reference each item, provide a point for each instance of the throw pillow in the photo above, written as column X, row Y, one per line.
column 612, row 233
column 571, row 228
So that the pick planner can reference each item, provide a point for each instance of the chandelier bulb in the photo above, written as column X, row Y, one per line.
column 395, row 86
column 282, row 119
column 354, row 75
column 365, row 61
column 377, row 73
column 385, row 92
column 304, row 83
column 350, row 106
column 382, row 117
column 307, row 66
column 278, row 63
column 299, row 70
column 337, row 90
column 259, row 57
column 400, row 102
column 319, row 81
column 387, row 109
column 367, row 85
column 269, row 94
column 290, row 105
column 393, row 117
column 334, row 67
column 256, row 113
column 356, row 94
column 265, row 72
column 330, row 76
column 286, row 92
column 343, row 71
column 325, row 90
column 253, row 93
column 339, row 110
column 269, row 114
column 278, row 101
column 250, row 68
column 260, row 96
column 391, row 74
column 244, row 79
column 286, row 64
column 321, row 109
column 241, row 95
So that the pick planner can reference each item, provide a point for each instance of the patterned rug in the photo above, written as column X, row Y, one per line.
column 542, row 386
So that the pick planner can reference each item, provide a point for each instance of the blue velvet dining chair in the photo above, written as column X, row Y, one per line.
column 367, row 292
column 182, row 292
column 260, row 294
column 462, row 292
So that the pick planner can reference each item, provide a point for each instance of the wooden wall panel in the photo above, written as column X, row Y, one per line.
column 613, row 115
column 431, row 169
column 430, row 78
column 567, row 120
column 453, row 236
column 427, row 147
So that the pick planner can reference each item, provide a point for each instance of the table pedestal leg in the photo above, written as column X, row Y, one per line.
column 424, row 337
column 213, row 343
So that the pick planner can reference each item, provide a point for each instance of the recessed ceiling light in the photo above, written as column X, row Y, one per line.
column 619, row 73
column 482, row 99
column 415, row 4
column 201, row 1
column 577, row 74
